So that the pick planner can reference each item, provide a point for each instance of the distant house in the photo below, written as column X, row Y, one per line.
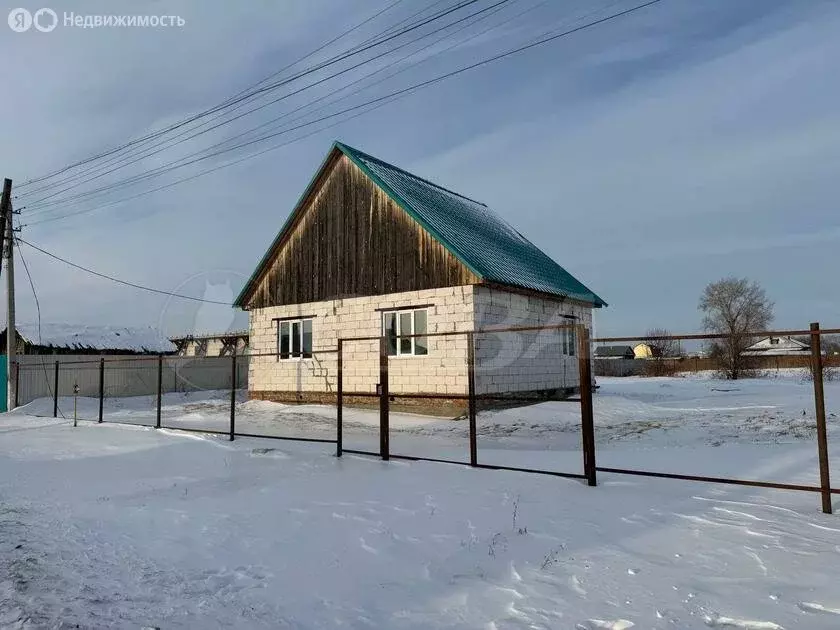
column 371, row 250
column 778, row 347
column 212, row 345
column 54, row 338
column 645, row 351
column 615, row 352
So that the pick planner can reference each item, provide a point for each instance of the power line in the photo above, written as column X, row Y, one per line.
column 38, row 310
column 254, row 91
column 322, row 47
column 43, row 203
column 149, row 138
column 388, row 97
column 117, row 280
column 202, row 173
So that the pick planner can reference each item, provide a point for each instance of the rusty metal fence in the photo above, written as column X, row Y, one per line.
column 166, row 374
column 817, row 362
column 471, row 397
column 587, row 413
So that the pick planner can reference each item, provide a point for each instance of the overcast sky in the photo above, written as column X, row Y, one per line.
column 649, row 156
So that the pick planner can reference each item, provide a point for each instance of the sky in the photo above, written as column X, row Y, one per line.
column 649, row 155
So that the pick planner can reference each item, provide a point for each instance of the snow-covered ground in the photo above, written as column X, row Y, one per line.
column 123, row 526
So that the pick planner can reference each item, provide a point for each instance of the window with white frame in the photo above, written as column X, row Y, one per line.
column 398, row 325
column 294, row 339
column 569, row 341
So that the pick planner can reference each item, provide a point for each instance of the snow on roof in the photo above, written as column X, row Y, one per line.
column 86, row 337
column 211, row 335
column 778, row 346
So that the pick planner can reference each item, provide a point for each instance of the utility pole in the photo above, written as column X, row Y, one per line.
column 5, row 202
column 8, row 251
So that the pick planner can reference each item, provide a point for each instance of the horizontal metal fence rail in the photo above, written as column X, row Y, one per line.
column 703, row 336
column 722, row 480
column 455, row 462
column 218, row 432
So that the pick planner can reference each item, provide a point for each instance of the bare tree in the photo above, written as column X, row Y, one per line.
column 829, row 344
column 662, row 348
column 829, row 349
column 734, row 307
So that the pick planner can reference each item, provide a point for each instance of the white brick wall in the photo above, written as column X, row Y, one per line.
column 443, row 370
column 523, row 361
column 505, row 362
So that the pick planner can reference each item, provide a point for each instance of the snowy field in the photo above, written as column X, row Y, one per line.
column 120, row 526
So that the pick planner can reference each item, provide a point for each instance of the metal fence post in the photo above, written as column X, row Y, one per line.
column 101, row 387
column 586, row 411
column 159, row 389
column 819, row 406
column 232, row 394
column 55, row 392
column 339, row 400
column 471, row 395
column 384, row 429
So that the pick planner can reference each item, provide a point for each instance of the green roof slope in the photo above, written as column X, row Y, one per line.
column 477, row 236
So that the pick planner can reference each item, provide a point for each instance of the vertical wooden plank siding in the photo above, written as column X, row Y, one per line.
column 350, row 240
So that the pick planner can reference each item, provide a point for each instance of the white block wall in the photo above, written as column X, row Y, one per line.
column 505, row 362
column 443, row 370
column 524, row 361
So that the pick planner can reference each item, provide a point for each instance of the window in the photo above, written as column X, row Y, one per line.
column 571, row 333
column 774, row 341
column 569, row 341
column 395, row 324
column 294, row 339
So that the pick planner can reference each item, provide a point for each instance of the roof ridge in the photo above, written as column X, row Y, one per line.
column 343, row 146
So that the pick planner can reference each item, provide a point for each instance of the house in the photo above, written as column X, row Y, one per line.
column 60, row 338
column 615, row 352
column 212, row 344
column 645, row 351
column 778, row 347
column 371, row 250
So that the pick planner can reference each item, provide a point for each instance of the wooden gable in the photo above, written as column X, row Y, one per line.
column 348, row 238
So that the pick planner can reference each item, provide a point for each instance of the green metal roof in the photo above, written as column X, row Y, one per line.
column 474, row 234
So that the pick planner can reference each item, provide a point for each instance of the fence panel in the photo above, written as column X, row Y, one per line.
column 762, row 432
column 129, row 383
column 360, row 385
column 482, row 370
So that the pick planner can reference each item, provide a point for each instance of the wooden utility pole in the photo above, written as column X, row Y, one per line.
column 8, row 251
